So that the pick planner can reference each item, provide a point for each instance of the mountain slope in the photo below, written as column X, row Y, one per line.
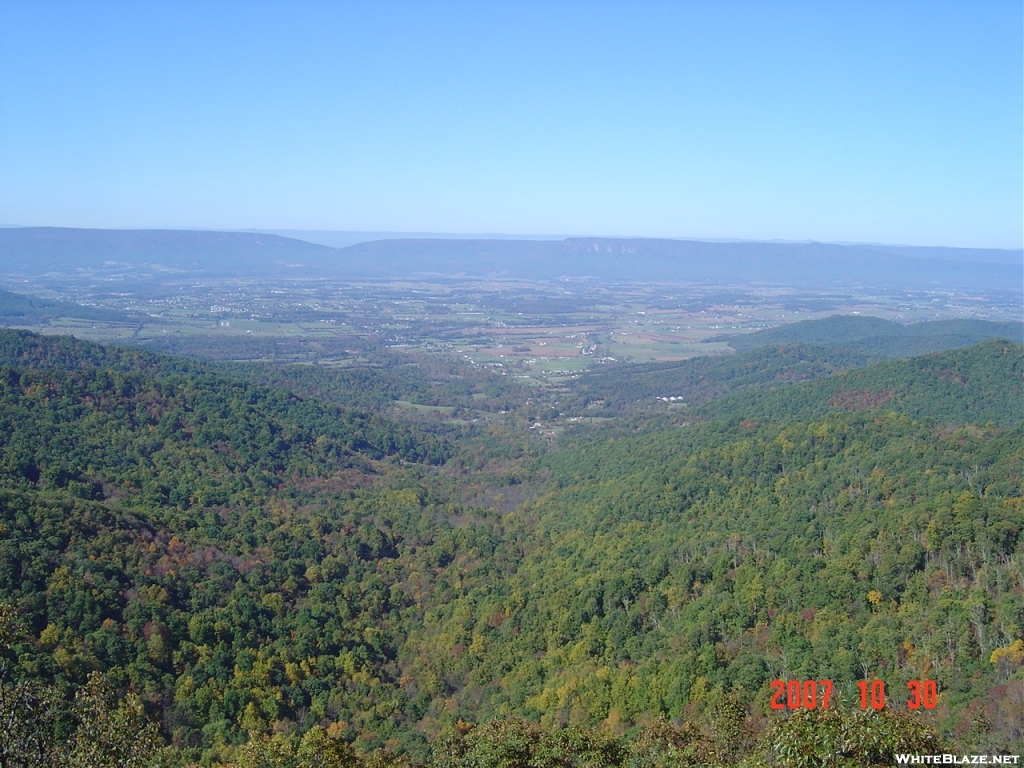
column 666, row 571
column 878, row 337
column 249, row 561
column 979, row 384
column 162, row 526
column 696, row 381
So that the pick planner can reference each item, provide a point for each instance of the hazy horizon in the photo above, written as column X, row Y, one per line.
column 354, row 236
column 866, row 123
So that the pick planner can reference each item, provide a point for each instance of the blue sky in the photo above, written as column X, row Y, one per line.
column 895, row 122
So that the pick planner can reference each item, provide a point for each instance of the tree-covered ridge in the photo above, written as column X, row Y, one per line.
column 701, row 379
column 424, row 379
column 17, row 309
column 877, row 337
column 95, row 408
column 427, row 380
column 980, row 384
column 255, row 565
column 796, row 354
column 141, row 512
column 24, row 349
column 671, row 569
column 180, row 441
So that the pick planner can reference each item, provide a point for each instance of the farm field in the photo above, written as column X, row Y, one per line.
column 536, row 330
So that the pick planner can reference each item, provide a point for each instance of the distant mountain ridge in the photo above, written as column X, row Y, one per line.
column 38, row 250
column 650, row 260
column 345, row 238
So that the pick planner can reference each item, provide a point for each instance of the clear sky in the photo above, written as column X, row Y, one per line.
column 896, row 122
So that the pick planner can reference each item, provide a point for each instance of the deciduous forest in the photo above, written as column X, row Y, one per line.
column 211, row 564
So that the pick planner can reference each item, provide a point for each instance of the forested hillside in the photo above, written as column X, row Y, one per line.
column 789, row 354
column 295, row 576
column 699, row 380
column 671, row 569
column 980, row 384
column 877, row 337
column 16, row 309
column 154, row 526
